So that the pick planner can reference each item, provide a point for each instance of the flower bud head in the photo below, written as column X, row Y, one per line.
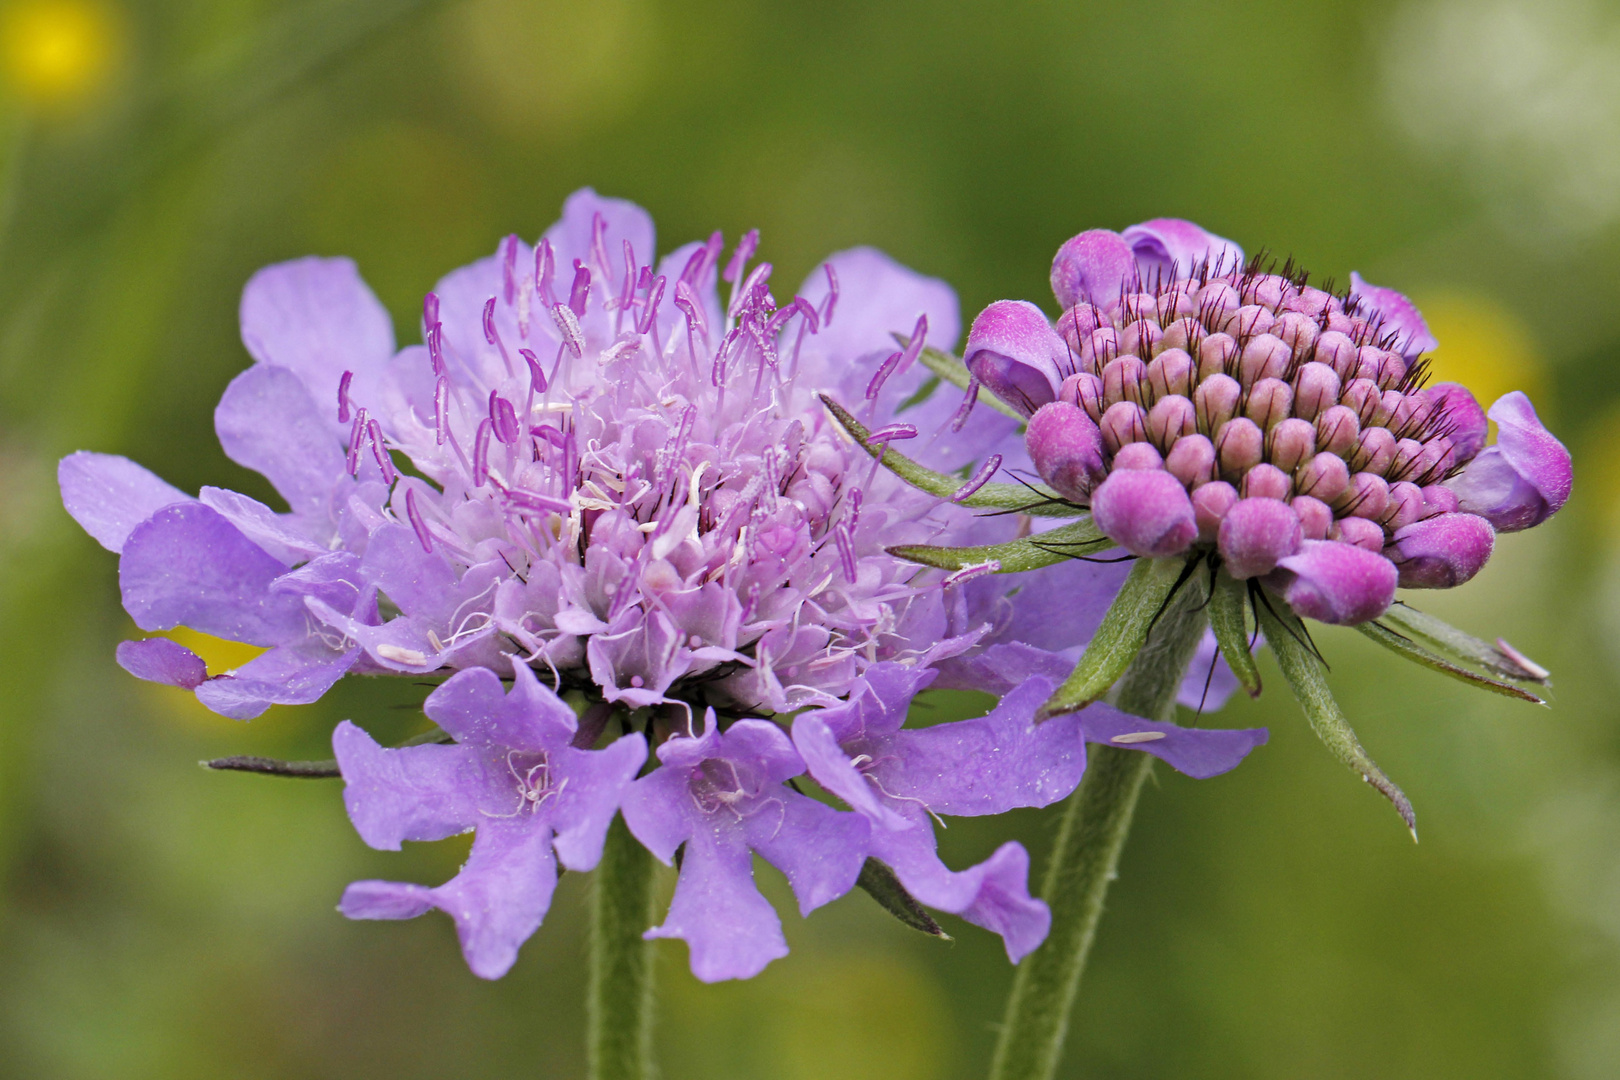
column 1363, row 396
column 1084, row 390
column 1147, row 512
column 1192, row 460
column 1138, row 455
column 1172, row 372
column 1335, row 583
column 1238, row 447
column 1183, row 333
column 1101, row 347
column 1218, row 302
column 1315, row 516
column 1216, row 401
column 1077, row 323
column 1122, row 380
column 1169, row 420
column 1337, row 430
column 1405, row 506
column 1255, row 533
column 1290, row 444
column 1250, row 321
column 1067, row 449
column 1141, row 337
column 1324, row 477
column 1264, row 357
column 1296, row 330
column 1367, row 496
column 1375, row 449
column 1443, row 551
column 1364, row 534
column 1015, row 353
column 1464, row 421
column 1123, row 423
column 1316, row 387
column 1338, row 352
column 1267, row 482
column 1271, row 401
column 1217, row 355
column 1210, row 504
column 1438, row 499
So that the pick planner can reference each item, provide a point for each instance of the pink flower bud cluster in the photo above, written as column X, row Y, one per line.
column 1195, row 402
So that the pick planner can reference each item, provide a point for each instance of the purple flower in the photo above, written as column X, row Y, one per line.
column 902, row 779
column 515, row 779
column 1206, row 407
column 722, row 795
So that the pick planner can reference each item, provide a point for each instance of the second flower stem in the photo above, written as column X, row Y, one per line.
column 619, row 1006
column 1096, row 820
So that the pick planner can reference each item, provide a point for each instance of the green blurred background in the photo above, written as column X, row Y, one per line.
column 157, row 921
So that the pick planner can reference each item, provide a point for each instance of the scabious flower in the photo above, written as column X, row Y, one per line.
column 1198, row 403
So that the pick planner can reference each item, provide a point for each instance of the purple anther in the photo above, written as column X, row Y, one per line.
column 1239, row 446
column 696, row 324
column 1364, row 534
column 481, row 453
column 430, row 309
column 1336, row 583
column 579, row 295
column 1267, row 482
column 1338, row 352
column 503, row 418
column 441, row 410
column 1443, row 551
column 1290, row 444
column 385, row 460
column 1315, row 516
column 1271, row 401
column 892, row 433
column 978, row 479
column 1138, row 455
column 1145, row 511
column 694, row 268
column 1122, row 423
column 550, row 434
column 890, row 364
column 568, row 324
column 655, row 297
column 914, row 346
column 1323, row 477
column 545, row 269
column 832, row 294
column 509, row 252
column 1122, row 379
column 739, row 258
column 846, row 550
column 964, row 410
column 1217, row 355
column 489, row 322
column 358, row 433
column 423, row 537
column 1255, row 533
column 343, row 397
column 1192, row 460
column 1366, row 496
column 972, row 573
column 1316, row 389
column 749, row 292
column 1337, row 430
column 1067, row 449
column 1438, row 499
column 536, row 503
column 1171, row 418
column 435, row 345
column 1172, row 372
column 1216, row 401
column 853, row 518
column 537, row 377
column 1210, row 504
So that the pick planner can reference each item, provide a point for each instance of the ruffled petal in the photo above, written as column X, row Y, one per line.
column 1197, row 752
column 295, row 674
column 1400, row 317
column 474, row 707
column 819, row 849
column 109, row 495
column 731, row 930
column 597, row 780
column 1525, row 478
column 163, row 661
column 1167, row 248
column 268, row 421
column 412, row 793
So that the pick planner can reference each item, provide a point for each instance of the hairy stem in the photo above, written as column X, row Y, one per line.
column 619, row 1006
column 1096, row 820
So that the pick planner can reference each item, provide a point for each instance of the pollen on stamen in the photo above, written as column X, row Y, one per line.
column 1130, row 738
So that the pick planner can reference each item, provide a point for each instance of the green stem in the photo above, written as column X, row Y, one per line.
column 1095, row 823
column 619, row 1006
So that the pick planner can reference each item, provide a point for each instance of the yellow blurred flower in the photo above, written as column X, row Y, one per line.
column 58, row 51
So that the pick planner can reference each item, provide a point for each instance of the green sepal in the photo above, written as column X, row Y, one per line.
column 1454, row 643
column 1405, row 647
column 882, row 885
column 953, row 371
column 1227, row 607
column 1019, row 498
column 1306, row 675
column 1123, row 632
column 1028, row 553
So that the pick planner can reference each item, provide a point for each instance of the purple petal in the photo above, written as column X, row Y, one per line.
column 268, row 421
column 877, row 298
column 571, row 236
column 1168, row 248
column 385, row 900
column 295, row 674
column 596, row 780
column 1096, row 267
column 163, row 661
column 109, row 495
column 1465, row 422
column 262, row 525
column 419, row 583
column 819, row 849
column 1015, row 353
column 1399, row 315
column 1335, row 582
column 1524, row 479
column 658, row 808
column 474, row 707
column 1198, row 752
column 316, row 318
column 412, row 793
column 730, row 929
column 188, row 566
column 833, row 770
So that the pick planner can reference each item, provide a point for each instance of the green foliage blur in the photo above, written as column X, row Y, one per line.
column 157, row 921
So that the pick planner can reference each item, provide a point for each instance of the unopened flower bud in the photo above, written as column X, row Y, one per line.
column 1250, row 321
column 1438, row 499
column 1411, row 414
column 1375, row 449
column 1264, row 357
column 1324, row 477
column 1210, row 504
column 1267, row 290
column 1267, row 482
column 1145, row 511
column 1084, row 390
column 1176, row 302
column 1367, row 496
column 1067, row 449
column 1015, row 353
column 1311, row 301
column 1290, row 444
column 1076, row 324
column 1388, row 368
column 1141, row 305
column 1463, row 419
column 1337, row 430
column 1338, row 352
column 1122, row 380
column 1138, row 455
column 1255, row 533
column 1183, row 333
column 1171, row 372
column 1316, row 388
column 1315, row 516
column 1364, row 534
column 1217, row 355
column 1192, row 460
column 1123, row 423
column 1362, row 397
column 1405, row 506
column 1217, row 302
column 1296, row 330
column 1270, row 403
column 1383, row 409
column 1101, row 347
column 1141, row 337
column 1335, row 582
column 1216, row 401
column 1443, row 551
column 1407, row 452
column 1238, row 447
column 1170, row 418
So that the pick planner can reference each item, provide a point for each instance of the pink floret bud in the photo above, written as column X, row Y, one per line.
column 1255, row 534
column 1067, row 449
column 1147, row 512
column 1443, row 551
column 1335, row 582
